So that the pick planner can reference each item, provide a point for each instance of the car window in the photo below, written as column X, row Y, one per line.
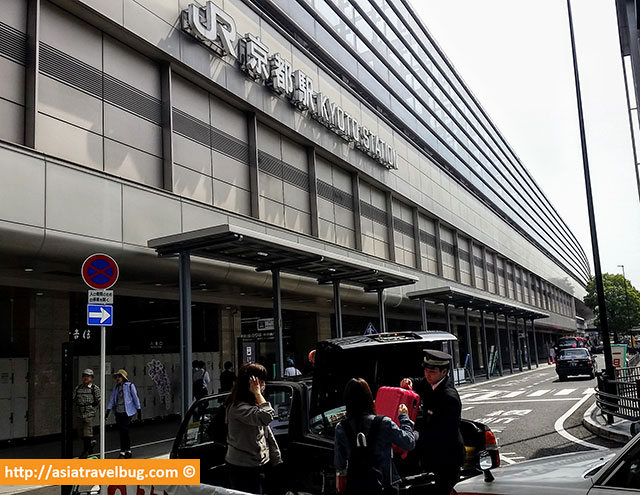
column 280, row 399
column 325, row 423
column 626, row 473
column 575, row 353
column 207, row 420
column 206, row 423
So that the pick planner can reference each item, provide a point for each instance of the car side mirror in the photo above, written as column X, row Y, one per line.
column 486, row 463
column 634, row 428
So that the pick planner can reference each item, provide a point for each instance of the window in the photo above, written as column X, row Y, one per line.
column 626, row 473
column 448, row 253
column 464, row 257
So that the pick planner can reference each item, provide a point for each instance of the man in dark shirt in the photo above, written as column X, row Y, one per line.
column 440, row 445
column 227, row 377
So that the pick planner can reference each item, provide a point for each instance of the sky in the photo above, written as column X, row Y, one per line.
column 515, row 55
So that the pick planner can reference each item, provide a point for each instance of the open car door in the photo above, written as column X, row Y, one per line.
column 203, row 435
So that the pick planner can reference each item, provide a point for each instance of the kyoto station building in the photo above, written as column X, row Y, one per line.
column 297, row 170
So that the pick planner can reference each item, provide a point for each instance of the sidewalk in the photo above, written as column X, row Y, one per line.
column 596, row 423
column 150, row 440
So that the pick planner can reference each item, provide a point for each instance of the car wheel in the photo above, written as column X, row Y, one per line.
column 562, row 378
column 592, row 375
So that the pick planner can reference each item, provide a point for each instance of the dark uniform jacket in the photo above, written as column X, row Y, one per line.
column 440, row 443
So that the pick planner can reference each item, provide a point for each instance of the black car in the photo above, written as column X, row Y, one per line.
column 310, row 408
column 569, row 343
column 577, row 361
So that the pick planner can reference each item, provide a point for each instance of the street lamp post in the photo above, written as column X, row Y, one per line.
column 626, row 298
column 602, row 307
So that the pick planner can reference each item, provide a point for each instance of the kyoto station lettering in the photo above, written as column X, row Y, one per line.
column 217, row 29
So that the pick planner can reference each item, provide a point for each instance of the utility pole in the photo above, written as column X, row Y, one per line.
column 602, row 307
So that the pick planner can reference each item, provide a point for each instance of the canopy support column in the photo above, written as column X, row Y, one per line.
column 519, row 345
column 535, row 341
column 510, row 340
column 337, row 308
column 186, row 339
column 498, row 348
column 277, row 320
column 423, row 315
column 526, row 342
column 485, row 350
column 469, row 348
column 382, row 316
column 447, row 317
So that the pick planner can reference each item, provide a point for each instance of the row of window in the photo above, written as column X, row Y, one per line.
column 380, row 35
column 113, row 116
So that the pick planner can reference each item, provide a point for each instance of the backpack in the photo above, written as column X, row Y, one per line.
column 363, row 475
column 93, row 392
column 199, row 388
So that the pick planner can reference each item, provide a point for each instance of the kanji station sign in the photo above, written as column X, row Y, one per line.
column 217, row 29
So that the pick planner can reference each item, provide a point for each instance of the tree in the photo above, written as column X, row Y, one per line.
column 623, row 309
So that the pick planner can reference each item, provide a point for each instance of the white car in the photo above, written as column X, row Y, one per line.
column 596, row 472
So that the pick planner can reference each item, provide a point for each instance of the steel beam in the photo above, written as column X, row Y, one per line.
column 186, row 339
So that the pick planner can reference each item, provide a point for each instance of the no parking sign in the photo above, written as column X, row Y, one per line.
column 100, row 271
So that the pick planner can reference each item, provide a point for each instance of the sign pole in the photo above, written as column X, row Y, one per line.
column 100, row 272
column 103, row 383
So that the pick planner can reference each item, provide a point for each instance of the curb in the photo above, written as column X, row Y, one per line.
column 602, row 431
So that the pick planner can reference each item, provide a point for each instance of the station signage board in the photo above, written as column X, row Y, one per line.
column 217, row 29
column 265, row 324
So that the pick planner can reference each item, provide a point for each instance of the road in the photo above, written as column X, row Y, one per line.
column 533, row 414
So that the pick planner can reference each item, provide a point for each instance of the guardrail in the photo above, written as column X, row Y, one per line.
column 620, row 397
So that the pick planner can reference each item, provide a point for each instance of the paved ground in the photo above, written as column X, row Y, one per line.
column 533, row 414
column 149, row 439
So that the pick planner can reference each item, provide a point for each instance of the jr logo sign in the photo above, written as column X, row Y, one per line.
column 212, row 26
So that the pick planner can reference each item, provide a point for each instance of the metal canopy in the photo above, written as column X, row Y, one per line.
column 462, row 298
column 265, row 252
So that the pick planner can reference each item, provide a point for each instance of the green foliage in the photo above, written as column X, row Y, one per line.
column 623, row 310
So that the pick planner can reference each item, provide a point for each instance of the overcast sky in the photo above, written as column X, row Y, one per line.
column 515, row 55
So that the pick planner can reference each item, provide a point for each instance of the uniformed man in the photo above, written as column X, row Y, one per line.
column 440, row 445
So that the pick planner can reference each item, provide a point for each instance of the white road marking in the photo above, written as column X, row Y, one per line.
column 589, row 391
column 498, row 401
column 510, row 395
column 467, row 408
column 466, row 396
column 559, row 426
column 539, row 393
column 509, row 460
column 565, row 391
column 486, row 396
column 494, row 380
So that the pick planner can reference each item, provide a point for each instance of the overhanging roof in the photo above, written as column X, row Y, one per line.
column 265, row 252
column 355, row 341
column 462, row 298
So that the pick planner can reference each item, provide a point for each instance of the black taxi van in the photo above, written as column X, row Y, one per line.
column 309, row 408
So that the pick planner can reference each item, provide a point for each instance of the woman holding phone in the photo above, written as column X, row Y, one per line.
column 251, row 446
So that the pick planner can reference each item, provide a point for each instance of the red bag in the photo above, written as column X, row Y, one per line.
column 389, row 398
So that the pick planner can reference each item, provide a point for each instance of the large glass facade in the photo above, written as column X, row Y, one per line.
column 382, row 47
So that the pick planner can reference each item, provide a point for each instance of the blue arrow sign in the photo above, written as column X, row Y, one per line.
column 99, row 316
